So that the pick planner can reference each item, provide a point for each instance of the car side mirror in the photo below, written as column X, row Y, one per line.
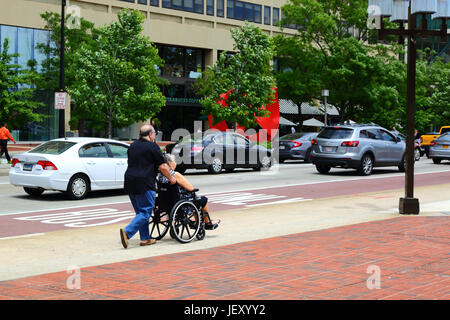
column 397, row 139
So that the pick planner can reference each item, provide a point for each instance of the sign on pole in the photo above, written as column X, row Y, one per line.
column 60, row 100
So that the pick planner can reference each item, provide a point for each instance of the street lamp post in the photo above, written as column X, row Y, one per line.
column 406, row 11
column 325, row 94
column 62, row 129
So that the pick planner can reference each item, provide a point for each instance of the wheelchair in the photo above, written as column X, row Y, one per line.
column 181, row 217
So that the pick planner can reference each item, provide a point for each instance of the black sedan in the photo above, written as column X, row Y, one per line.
column 296, row 146
column 219, row 150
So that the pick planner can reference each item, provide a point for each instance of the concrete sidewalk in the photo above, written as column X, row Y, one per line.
column 348, row 247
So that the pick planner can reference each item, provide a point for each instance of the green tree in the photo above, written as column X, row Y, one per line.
column 74, row 39
column 116, row 82
column 336, row 58
column 17, row 90
column 432, row 91
column 297, row 61
column 246, row 75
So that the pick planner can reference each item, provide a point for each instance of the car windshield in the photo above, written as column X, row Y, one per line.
column 196, row 138
column 445, row 130
column 335, row 133
column 53, row 147
column 294, row 136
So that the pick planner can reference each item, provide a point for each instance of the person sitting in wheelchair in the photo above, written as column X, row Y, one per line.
column 185, row 188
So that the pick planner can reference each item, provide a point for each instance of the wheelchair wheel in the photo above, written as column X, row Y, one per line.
column 185, row 222
column 158, row 224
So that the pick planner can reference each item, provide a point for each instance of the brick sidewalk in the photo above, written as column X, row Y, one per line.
column 411, row 252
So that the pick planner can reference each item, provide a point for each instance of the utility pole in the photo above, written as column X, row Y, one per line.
column 62, row 129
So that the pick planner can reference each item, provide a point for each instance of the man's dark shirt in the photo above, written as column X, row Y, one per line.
column 144, row 158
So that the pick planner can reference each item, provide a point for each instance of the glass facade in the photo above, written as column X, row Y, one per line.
column 182, row 66
column 180, row 62
column 24, row 41
column 241, row 10
column 184, row 5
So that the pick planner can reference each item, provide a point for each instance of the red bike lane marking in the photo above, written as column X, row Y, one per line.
column 95, row 215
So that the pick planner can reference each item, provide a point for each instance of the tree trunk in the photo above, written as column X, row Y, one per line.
column 110, row 125
column 81, row 126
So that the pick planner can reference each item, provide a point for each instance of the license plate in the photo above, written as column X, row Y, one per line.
column 445, row 147
column 329, row 149
column 27, row 167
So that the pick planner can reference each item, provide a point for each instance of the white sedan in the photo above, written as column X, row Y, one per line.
column 72, row 165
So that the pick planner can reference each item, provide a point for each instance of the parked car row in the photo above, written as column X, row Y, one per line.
column 77, row 166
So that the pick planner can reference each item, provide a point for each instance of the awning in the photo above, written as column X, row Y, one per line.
column 286, row 122
column 289, row 107
column 313, row 123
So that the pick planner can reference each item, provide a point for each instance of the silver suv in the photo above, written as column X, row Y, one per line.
column 357, row 146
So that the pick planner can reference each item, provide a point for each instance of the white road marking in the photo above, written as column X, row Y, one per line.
column 77, row 219
column 278, row 202
column 23, row 236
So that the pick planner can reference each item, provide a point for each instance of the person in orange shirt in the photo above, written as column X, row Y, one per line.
column 4, row 137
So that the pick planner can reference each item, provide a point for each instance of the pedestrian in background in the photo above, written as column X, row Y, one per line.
column 144, row 160
column 292, row 130
column 5, row 136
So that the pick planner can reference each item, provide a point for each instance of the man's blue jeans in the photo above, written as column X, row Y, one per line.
column 143, row 206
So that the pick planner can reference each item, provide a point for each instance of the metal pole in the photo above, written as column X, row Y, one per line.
column 409, row 204
column 62, row 129
column 326, row 120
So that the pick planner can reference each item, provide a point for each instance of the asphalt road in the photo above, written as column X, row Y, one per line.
column 292, row 173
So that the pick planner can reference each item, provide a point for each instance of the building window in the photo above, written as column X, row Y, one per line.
column 194, row 62
column 189, row 5
column 177, row 4
column 210, row 7
column 248, row 12
column 154, row 3
column 173, row 62
column 230, row 9
column 181, row 62
column 185, row 5
column 198, row 6
column 142, row 2
column 257, row 13
column 239, row 10
column 266, row 15
column 220, row 8
column 276, row 16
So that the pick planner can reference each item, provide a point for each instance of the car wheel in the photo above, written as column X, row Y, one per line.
column 366, row 166
column 436, row 161
column 308, row 156
column 78, row 187
column 216, row 166
column 417, row 154
column 33, row 191
column 266, row 163
column 323, row 169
